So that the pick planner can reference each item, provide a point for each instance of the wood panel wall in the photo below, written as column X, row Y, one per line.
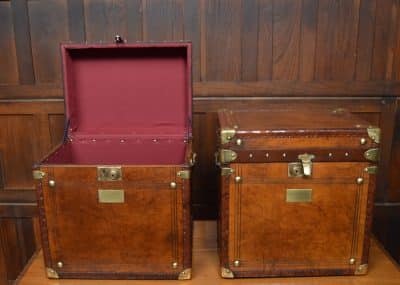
column 247, row 54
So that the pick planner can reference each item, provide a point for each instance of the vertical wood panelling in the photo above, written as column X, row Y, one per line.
column 365, row 39
column 23, row 42
column 8, row 58
column 249, row 40
column 56, row 128
column 76, row 21
column 49, row 27
column 223, row 21
column 394, row 166
column 308, row 40
column 16, row 136
column 169, row 23
column 192, row 17
column 337, row 39
column 396, row 60
column 286, row 43
column 265, row 40
column 3, row 268
column 9, row 236
column 381, row 39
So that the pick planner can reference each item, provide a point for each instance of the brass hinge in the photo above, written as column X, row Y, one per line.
column 227, row 155
column 374, row 133
column 192, row 160
column 227, row 135
column 372, row 154
column 51, row 273
column 226, row 273
column 373, row 169
column 185, row 274
column 184, row 174
column 225, row 171
column 37, row 174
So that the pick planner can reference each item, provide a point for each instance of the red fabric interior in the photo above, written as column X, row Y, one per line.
column 128, row 89
column 165, row 152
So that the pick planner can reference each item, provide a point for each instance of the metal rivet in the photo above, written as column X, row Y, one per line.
column 238, row 142
column 52, row 183
column 330, row 154
column 352, row 261
column 172, row 185
column 360, row 180
column 363, row 141
column 93, row 140
column 175, row 264
column 154, row 140
column 238, row 179
column 60, row 264
column 267, row 154
column 346, row 154
column 284, row 154
column 122, row 141
column 228, row 138
column 235, row 126
column 236, row 263
column 250, row 155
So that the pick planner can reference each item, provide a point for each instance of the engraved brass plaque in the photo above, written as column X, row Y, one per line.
column 111, row 196
column 109, row 173
column 298, row 195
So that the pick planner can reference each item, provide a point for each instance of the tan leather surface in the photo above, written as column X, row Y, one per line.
column 143, row 235
column 270, row 236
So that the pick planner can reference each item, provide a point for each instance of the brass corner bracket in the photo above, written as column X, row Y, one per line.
column 374, row 133
column 225, row 171
column 373, row 169
column 186, row 274
column 226, row 273
column 372, row 154
column 184, row 174
column 51, row 273
column 227, row 155
column 227, row 135
column 361, row 269
column 37, row 174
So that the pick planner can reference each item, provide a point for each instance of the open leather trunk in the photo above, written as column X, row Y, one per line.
column 114, row 197
column 297, row 190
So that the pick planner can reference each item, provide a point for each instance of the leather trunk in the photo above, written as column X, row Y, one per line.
column 114, row 197
column 296, row 193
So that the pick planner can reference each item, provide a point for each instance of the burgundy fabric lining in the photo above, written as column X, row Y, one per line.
column 128, row 89
column 109, row 152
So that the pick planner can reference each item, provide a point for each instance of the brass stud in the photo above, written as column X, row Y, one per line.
column 236, row 263
column 330, row 154
column 228, row 138
column 267, row 155
column 360, row 180
column 60, row 264
column 250, row 155
column 172, row 185
column 175, row 265
column 122, row 141
column 238, row 142
column 284, row 154
column 238, row 179
column 346, row 154
column 52, row 183
column 363, row 141
column 352, row 261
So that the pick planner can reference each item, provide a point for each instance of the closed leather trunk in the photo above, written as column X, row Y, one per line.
column 284, row 216
column 114, row 197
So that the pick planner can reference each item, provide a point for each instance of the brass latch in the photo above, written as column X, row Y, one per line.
column 226, row 156
column 109, row 173
column 303, row 168
column 37, row 174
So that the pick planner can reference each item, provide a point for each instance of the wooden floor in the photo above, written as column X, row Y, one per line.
column 206, row 269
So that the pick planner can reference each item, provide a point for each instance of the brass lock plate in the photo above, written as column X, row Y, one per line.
column 109, row 173
column 295, row 169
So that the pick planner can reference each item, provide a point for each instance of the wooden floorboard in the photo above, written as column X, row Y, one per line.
column 206, row 269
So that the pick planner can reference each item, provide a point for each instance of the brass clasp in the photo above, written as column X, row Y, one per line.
column 306, row 160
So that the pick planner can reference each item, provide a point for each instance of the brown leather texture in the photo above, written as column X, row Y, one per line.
column 263, row 232
column 140, row 238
